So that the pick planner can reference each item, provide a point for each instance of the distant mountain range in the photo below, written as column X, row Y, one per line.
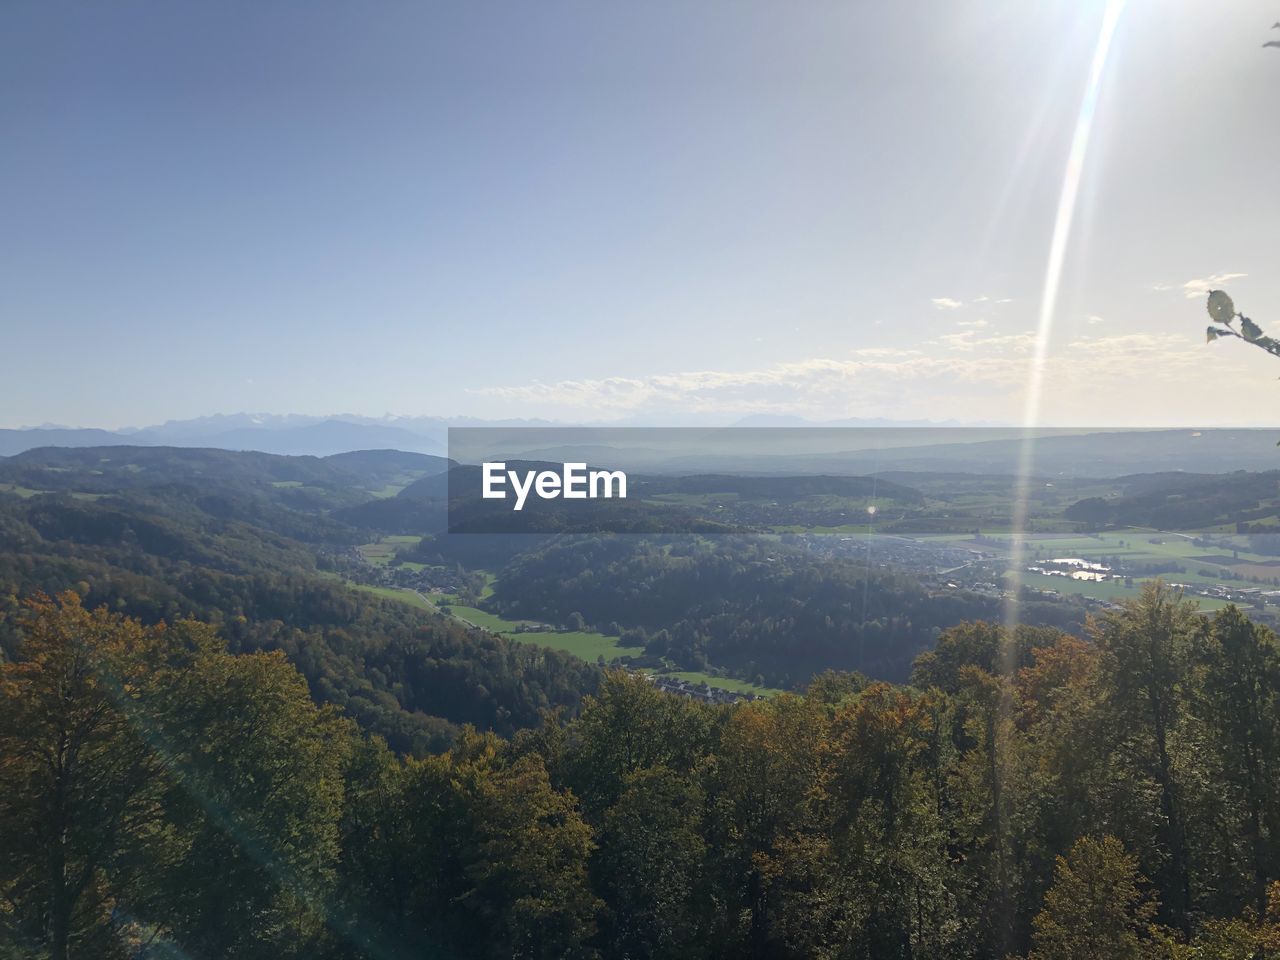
column 853, row 451
column 289, row 434
column 299, row 434
column 784, row 420
column 841, row 447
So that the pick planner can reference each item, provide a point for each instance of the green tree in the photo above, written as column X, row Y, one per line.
column 627, row 726
column 254, row 806
column 377, row 866
column 1239, row 680
column 486, row 858
column 651, row 864
column 79, row 786
column 525, row 861
column 1097, row 908
column 991, row 784
column 1146, row 647
column 889, row 846
column 988, row 646
column 760, row 784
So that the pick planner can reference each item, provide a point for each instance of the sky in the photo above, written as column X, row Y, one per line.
column 633, row 212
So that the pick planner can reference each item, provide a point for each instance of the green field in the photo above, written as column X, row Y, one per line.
column 589, row 646
column 585, row 645
column 379, row 554
column 27, row 492
column 1134, row 545
column 845, row 530
column 394, row 593
column 382, row 552
column 23, row 492
column 1103, row 589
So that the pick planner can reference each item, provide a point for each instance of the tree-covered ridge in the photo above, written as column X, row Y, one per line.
column 260, row 543
column 298, row 481
column 1182, row 502
column 269, row 576
column 759, row 608
column 1031, row 795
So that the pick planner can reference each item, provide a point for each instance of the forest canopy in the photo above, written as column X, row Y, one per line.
column 1033, row 795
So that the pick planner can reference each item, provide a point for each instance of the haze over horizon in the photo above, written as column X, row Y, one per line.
column 590, row 213
column 431, row 425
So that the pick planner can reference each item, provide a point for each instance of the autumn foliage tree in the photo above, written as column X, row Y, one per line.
column 1098, row 906
column 79, row 785
column 1029, row 794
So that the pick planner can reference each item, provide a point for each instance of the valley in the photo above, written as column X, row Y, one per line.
column 808, row 573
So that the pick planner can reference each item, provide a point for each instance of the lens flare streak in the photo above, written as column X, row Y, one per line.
column 1067, row 203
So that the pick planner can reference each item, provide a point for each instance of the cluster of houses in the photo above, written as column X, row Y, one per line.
column 1240, row 595
column 532, row 626
column 698, row 691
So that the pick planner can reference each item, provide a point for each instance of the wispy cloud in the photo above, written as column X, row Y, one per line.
column 966, row 373
column 969, row 341
column 874, row 375
column 979, row 324
column 1094, row 319
column 951, row 303
column 1201, row 287
column 881, row 352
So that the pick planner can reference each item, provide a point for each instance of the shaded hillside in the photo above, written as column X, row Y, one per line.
column 238, row 433
column 757, row 608
column 1184, row 502
column 709, row 503
column 174, row 534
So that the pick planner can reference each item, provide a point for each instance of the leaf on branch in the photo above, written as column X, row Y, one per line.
column 1220, row 307
column 1211, row 334
column 1250, row 329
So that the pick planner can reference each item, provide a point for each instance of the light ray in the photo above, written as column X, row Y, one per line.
column 1067, row 202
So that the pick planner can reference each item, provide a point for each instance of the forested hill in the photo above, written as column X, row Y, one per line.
column 761, row 609
column 262, row 543
column 1031, row 795
column 297, row 482
column 1179, row 501
column 244, row 541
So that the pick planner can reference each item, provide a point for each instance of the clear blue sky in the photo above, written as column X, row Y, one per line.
column 600, row 209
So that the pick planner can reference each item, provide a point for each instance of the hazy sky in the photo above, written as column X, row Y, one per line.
column 601, row 209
